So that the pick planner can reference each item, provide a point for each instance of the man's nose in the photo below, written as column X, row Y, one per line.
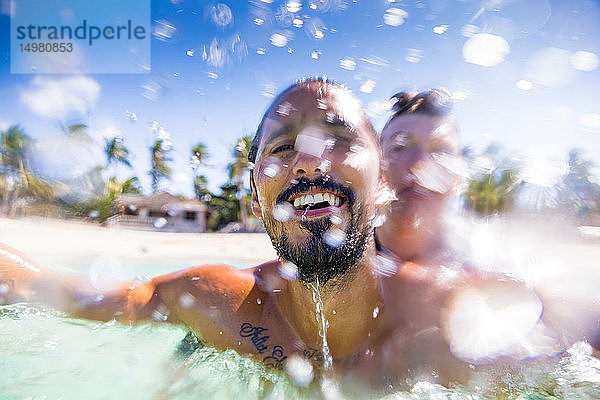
column 309, row 165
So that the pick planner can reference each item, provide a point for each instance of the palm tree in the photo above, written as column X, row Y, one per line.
column 492, row 193
column 578, row 191
column 116, row 152
column 15, row 146
column 78, row 132
column 159, row 168
column 199, row 156
column 237, row 171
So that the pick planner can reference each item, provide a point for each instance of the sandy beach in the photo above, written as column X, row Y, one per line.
column 57, row 243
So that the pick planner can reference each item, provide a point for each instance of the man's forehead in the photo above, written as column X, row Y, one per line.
column 329, row 106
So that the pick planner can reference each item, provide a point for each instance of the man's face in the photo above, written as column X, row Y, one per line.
column 317, row 177
column 419, row 152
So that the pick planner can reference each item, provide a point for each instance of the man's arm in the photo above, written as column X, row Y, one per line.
column 185, row 296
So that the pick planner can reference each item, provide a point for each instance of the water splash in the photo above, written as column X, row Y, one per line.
column 221, row 15
column 163, row 30
column 323, row 323
column 394, row 16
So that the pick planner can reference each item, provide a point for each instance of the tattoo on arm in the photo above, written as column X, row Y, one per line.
column 260, row 342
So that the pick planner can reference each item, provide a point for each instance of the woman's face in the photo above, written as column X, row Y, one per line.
column 420, row 158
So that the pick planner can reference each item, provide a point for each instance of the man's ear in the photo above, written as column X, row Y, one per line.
column 256, row 210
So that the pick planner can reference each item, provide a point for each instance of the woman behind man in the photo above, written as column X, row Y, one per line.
column 420, row 150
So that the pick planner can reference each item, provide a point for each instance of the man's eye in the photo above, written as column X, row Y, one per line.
column 281, row 148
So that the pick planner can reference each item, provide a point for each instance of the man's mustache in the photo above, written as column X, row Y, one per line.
column 304, row 184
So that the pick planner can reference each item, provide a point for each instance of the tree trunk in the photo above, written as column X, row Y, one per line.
column 243, row 211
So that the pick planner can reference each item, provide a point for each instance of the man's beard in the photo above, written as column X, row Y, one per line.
column 315, row 259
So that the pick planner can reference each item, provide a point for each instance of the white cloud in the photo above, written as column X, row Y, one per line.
column 57, row 98
column 4, row 125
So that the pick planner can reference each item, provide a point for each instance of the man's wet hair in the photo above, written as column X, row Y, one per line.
column 435, row 102
column 319, row 85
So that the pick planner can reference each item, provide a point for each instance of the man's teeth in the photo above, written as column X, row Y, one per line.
column 315, row 198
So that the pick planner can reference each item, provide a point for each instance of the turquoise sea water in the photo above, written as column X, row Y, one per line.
column 46, row 355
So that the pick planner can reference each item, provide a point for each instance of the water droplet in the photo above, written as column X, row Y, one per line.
column 584, row 61
column 285, row 108
column 310, row 141
column 375, row 312
column 283, row 211
column 414, row 55
column 221, row 332
column 271, row 170
column 4, row 288
column 152, row 90
column 440, row 29
column 368, row 86
column 394, row 16
column 160, row 223
column 160, row 313
column 334, row 237
column 324, row 166
column 379, row 220
column 163, row 30
column 460, row 95
column 348, row 63
column 221, row 15
column 485, row 49
column 186, row 300
column 299, row 370
column 130, row 115
column 278, row 40
column 315, row 28
column 469, row 30
column 293, row 6
column 288, row 271
column 524, row 84
column 258, row 301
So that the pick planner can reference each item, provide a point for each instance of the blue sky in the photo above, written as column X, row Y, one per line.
column 523, row 73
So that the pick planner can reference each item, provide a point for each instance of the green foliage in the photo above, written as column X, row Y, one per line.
column 493, row 190
column 116, row 152
column 578, row 192
column 237, row 170
column 224, row 208
column 159, row 168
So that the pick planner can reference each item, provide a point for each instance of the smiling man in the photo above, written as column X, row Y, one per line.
column 315, row 185
column 329, row 298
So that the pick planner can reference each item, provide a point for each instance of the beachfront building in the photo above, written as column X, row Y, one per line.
column 160, row 211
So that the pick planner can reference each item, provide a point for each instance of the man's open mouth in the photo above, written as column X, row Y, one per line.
column 316, row 203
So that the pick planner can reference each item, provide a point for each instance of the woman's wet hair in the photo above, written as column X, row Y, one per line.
column 436, row 102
